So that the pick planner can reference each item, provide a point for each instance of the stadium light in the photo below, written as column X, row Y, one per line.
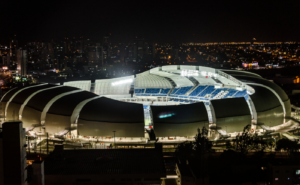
column 210, row 74
column 122, row 82
column 189, row 73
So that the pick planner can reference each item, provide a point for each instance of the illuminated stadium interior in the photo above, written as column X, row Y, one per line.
column 172, row 100
column 176, row 85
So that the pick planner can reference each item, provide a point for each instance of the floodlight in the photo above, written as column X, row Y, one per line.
column 122, row 82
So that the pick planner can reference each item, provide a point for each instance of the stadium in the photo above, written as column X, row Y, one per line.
column 169, row 103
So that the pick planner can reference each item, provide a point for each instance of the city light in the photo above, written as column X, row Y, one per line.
column 122, row 82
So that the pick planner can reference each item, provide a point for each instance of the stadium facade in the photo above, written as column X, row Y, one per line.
column 172, row 100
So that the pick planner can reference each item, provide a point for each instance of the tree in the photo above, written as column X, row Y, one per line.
column 200, row 146
column 247, row 141
column 288, row 145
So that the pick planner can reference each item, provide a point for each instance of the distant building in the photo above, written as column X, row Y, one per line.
column 13, row 154
column 22, row 62
column 95, row 55
column 13, row 46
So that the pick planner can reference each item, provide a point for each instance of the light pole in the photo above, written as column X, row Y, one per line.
column 114, row 138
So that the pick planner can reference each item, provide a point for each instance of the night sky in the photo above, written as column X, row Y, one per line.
column 160, row 21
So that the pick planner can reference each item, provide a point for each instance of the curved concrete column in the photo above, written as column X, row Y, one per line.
column 212, row 110
column 46, row 108
column 29, row 98
column 78, row 108
column 6, row 94
column 274, row 92
column 252, row 108
column 13, row 96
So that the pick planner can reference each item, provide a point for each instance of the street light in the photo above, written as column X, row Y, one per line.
column 114, row 138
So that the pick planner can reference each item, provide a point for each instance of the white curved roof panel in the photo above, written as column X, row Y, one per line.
column 180, row 81
column 113, row 86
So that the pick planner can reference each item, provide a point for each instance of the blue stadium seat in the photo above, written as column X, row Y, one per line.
column 208, row 90
column 165, row 91
column 213, row 94
column 139, row 90
column 152, row 90
column 241, row 93
column 198, row 90
column 174, row 91
column 183, row 90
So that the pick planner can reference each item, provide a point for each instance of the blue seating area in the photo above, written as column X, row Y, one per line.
column 208, row 90
column 214, row 93
column 183, row 90
column 139, row 90
column 198, row 90
column 198, row 94
column 146, row 106
column 153, row 90
column 231, row 93
column 175, row 90
column 165, row 91
column 241, row 93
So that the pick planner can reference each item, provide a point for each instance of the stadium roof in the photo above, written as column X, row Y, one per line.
column 40, row 100
column 66, row 105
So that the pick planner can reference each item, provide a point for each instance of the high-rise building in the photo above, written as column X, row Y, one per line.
column 138, row 48
column 13, row 46
column 95, row 55
column 13, row 154
column 22, row 61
